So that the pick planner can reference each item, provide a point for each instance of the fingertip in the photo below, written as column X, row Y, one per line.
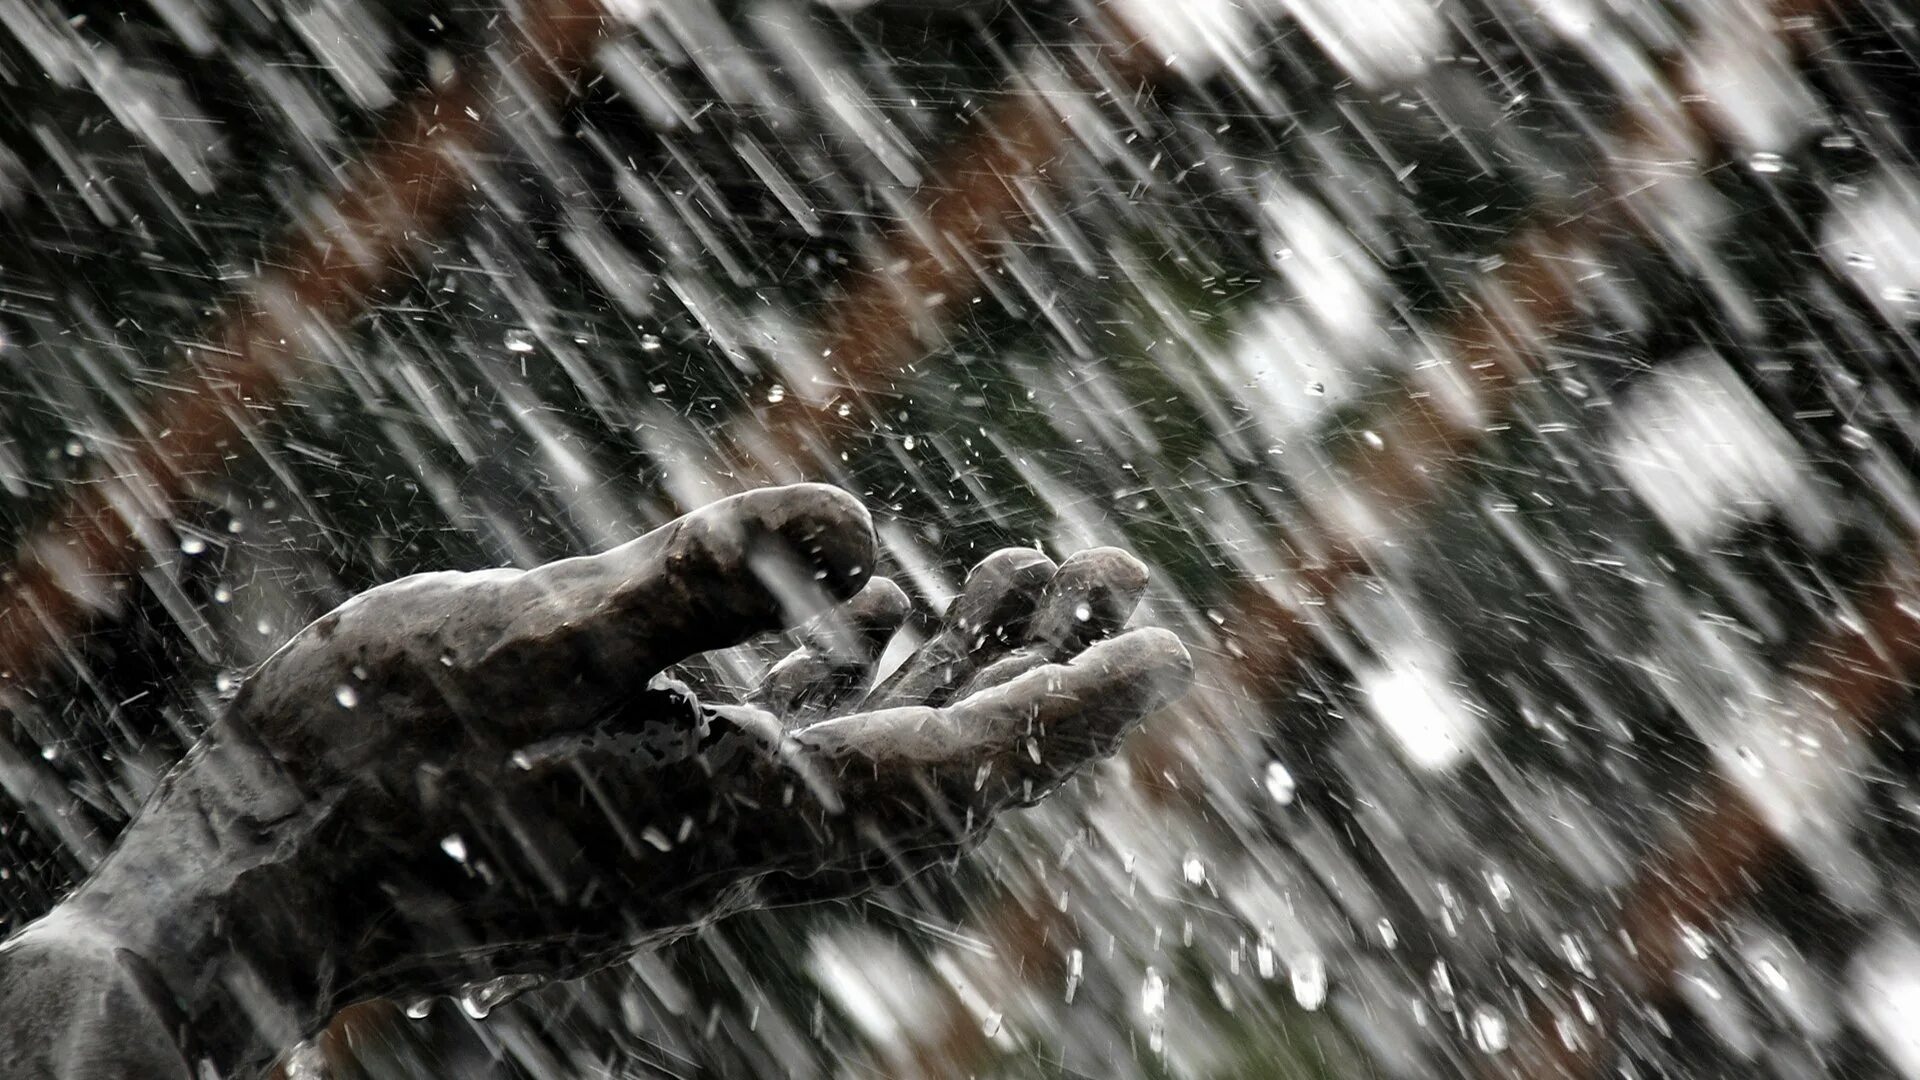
column 1002, row 588
column 1011, row 565
column 1118, row 569
column 824, row 526
column 1099, row 696
column 1151, row 652
column 880, row 603
column 1090, row 597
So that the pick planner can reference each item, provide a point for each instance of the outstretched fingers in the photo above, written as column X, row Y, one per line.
column 1089, row 599
column 833, row 808
column 992, row 611
column 1032, row 731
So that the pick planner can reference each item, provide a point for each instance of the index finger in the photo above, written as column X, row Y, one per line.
column 525, row 653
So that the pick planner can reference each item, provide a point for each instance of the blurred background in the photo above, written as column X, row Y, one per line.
column 1514, row 399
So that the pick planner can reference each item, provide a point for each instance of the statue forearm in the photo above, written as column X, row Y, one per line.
column 203, row 936
column 459, row 779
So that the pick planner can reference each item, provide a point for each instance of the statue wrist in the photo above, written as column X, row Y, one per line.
column 218, row 891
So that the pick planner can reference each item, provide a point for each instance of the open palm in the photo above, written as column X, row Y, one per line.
column 497, row 780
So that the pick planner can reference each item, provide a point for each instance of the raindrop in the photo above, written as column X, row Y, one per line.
column 1309, row 974
column 192, row 545
column 346, row 695
column 1695, row 941
column 418, row 1010
column 1766, row 163
column 519, row 341
column 455, row 847
column 1489, row 1030
column 1194, row 870
column 1153, row 994
column 1576, row 955
column 1153, row 1003
column 482, row 998
column 1280, row 783
column 1441, row 982
column 305, row 1061
column 1770, row 974
column 1500, row 889
column 776, row 394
